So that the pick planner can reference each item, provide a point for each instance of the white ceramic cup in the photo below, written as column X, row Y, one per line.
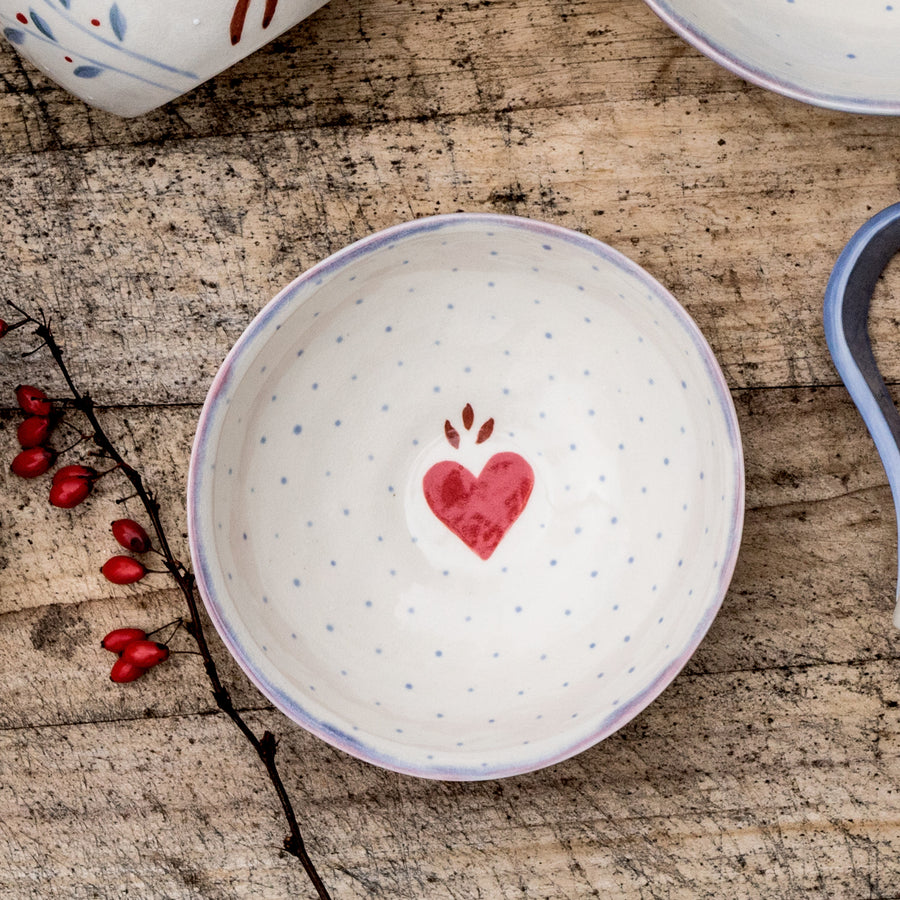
column 130, row 56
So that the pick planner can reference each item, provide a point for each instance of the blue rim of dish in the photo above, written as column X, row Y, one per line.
column 707, row 45
column 846, row 308
column 214, row 408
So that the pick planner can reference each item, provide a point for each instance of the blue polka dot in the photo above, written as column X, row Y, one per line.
column 298, row 429
column 388, row 328
column 296, row 582
column 329, row 627
column 262, row 440
column 283, row 479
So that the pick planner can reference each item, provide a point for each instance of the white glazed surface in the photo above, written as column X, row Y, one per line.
column 130, row 56
column 364, row 617
column 829, row 53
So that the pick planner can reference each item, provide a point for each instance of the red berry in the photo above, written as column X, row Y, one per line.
column 119, row 638
column 75, row 471
column 123, row 570
column 33, row 400
column 67, row 493
column 131, row 535
column 145, row 654
column 33, row 431
column 32, row 462
column 123, row 671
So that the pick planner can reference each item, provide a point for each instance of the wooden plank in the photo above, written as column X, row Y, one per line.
column 746, row 785
column 195, row 240
column 814, row 582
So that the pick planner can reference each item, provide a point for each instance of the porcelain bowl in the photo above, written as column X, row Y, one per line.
column 466, row 496
column 829, row 53
column 130, row 56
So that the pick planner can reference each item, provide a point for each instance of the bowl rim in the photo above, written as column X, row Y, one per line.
column 212, row 410
column 708, row 46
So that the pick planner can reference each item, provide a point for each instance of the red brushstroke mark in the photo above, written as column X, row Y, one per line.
column 21, row 17
column 240, row 16
column 479, row 510
column 238, row 19
column 452, row 435
column 95, row 23
column 485, row 431
column 468, row 416
column 67, row 58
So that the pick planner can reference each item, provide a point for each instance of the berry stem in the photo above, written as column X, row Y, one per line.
column 264, row 746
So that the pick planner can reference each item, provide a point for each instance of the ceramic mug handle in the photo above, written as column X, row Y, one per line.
column 847, row 299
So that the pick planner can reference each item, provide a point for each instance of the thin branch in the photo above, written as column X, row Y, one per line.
column 265, row 746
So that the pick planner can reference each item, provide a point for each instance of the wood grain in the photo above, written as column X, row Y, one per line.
column 769, row 768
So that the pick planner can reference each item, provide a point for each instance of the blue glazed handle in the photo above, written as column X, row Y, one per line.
column 847, row 300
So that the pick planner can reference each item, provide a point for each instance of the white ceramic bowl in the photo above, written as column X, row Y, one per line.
column 831, row 53
column 130, row 56
column 465, row 496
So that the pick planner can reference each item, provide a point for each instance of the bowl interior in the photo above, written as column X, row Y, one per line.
column 530, row 382
column 829, row 53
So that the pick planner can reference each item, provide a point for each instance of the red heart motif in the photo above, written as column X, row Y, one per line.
column 479, row 510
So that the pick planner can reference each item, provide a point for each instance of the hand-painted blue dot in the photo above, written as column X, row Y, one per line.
column 337, row 423
column 548, row 335
column 284, row 479
column 577, row 529
column 552, row 562
column 665, row 460
column 296, row 582
column 518, row 609
column 627, row 638
column 573, row 447
column 546, row 247
column 294, row 635
column 594, row 573
column 408, row 686
column 298, row 429
column 568, row 612
column 245, row 535
column 315, row 385
column 329, row 627
column 274, row 397
column 437, row 388
column 262, row 440
column 851, row 56
column 438, row 652
column 388, row 328
column 377, row 652
column 299, row 353
column 340, row 339
column 613, row 520
column 334, row 562
column 630, row 559
column 621, row 446
column 490, row 284
column 265, row 599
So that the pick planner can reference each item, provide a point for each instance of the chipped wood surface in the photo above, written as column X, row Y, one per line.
column 769, row 769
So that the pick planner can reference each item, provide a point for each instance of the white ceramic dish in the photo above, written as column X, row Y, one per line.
column 535, row 390
column 829, row 53
column 130, row 56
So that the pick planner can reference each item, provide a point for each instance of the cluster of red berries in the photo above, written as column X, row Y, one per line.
column 126, row 569
column 71, row 484
column 135, row 652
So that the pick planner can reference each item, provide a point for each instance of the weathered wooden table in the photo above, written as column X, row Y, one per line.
column 771, row 766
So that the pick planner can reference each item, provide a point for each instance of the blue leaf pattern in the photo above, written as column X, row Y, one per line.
column 14, row 36
column 87, row 71
column 117, row 20
column 41, row 25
